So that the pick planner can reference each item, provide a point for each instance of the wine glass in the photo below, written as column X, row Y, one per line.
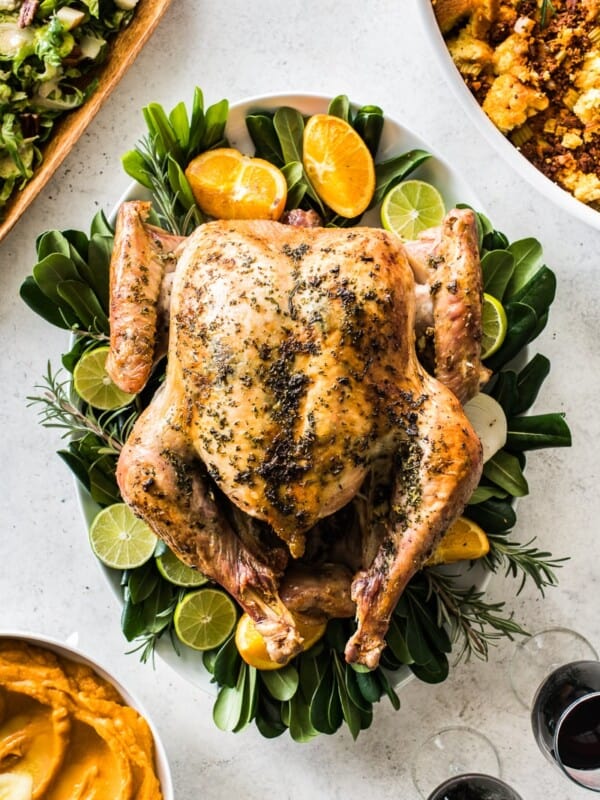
column 474, row 787
column 539, row 655
column 559, row 671
column 459, row 763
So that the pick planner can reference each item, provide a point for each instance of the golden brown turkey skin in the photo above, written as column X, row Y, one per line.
column 285, row 340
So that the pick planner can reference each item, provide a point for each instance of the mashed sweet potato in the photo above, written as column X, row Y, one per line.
column 66, row 733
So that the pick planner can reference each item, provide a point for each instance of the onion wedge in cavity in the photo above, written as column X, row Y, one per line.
column 487, row 417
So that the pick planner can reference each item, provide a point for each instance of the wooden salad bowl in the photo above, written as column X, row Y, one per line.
column 123, row 50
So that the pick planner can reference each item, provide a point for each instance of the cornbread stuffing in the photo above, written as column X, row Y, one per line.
column 534, row 67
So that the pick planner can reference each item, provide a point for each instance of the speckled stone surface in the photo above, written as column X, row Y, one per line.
column 375, row 52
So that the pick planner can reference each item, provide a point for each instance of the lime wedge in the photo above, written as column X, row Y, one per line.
column 121, row 540
column 204, row 619
column 178, row 573
column 494, row 325
column 94, row 385
column 411, row 207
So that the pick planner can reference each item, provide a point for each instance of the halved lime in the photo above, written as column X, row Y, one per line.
column 494, row 325
column 121, row 540
column 411, row 207
column 94, row 385
column 178, row 573
column 204, row 619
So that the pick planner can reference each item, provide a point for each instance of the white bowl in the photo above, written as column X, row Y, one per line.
column 74, row 654
column 485, row 126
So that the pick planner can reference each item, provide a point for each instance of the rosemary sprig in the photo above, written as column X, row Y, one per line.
column 523, row 559
column 57, row 410
column 473, row 622
column 93, row 335
column 547, row 10
column 146, row 644
column 146, row 647
column 164, row 199
column 167, row 202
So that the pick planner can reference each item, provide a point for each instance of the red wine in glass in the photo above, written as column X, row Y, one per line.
column 474, row 787
column 566, row 721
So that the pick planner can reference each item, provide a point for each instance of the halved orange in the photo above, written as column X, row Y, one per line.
column 463, row 541
column 338, row 164
column 252, row 648
column 229, row 185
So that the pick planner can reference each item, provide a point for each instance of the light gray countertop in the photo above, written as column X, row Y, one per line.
column 374, row 52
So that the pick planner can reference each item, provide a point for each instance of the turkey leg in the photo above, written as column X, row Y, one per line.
column 437, row 469
column 162, row 480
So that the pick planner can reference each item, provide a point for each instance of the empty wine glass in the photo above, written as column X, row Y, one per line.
column 557, row 674
column 459, row 763
column 539, row 655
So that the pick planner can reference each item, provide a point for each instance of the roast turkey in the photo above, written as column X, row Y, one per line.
column 292, row 374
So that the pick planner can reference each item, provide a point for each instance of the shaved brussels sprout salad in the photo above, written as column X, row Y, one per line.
column 48, row 53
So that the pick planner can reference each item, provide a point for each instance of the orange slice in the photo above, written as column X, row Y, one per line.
column 338, row 164
column 464, row 540
column 229, row 185
column 252, row 648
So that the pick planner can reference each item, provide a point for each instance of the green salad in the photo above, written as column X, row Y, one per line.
column 48, row 52
column 437, row 618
